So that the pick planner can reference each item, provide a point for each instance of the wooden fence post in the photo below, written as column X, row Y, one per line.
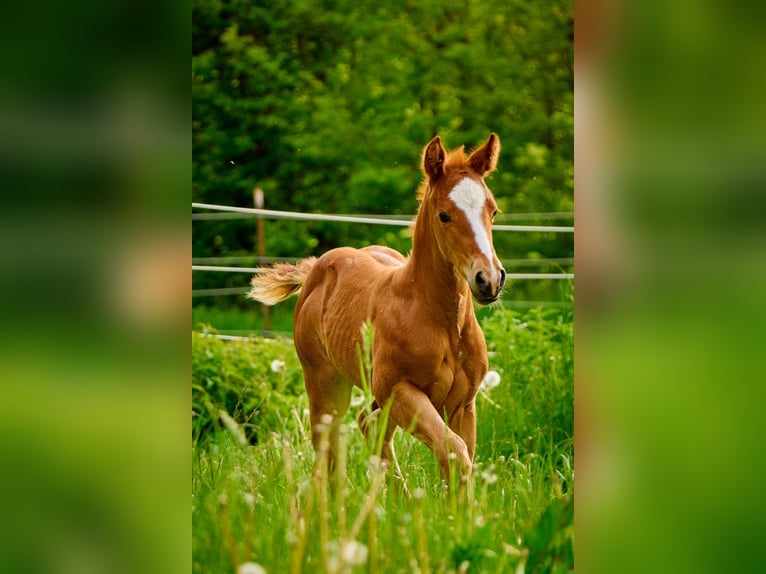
column 260, row 246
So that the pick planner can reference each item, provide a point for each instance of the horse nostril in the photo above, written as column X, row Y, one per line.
column 502, row 278
column 480, row 282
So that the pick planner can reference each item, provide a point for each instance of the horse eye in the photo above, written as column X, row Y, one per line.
column 443, row 217
column 494, row 213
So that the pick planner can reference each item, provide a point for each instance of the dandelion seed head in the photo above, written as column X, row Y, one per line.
column 277, row 366
column 489, row 477
column 357, row 401
column 490, row 381
column 251, row 568
column 354, row 553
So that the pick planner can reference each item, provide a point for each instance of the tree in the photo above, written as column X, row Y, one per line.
column 327, row 105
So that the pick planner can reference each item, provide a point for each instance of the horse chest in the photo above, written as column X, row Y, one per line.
column 455, row 381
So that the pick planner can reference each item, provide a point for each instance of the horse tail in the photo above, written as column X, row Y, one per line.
column 280, row 282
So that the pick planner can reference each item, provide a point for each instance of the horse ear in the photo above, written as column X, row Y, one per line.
column 484, row 159
column 433, row 158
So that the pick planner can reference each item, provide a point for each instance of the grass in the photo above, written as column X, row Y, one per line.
column 253, row 498
column 232, row 320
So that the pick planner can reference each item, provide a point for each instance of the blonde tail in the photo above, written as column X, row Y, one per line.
column 280, row 281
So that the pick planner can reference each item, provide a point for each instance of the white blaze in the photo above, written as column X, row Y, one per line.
column 470, row 197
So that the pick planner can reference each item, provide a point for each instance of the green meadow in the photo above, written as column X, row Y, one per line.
column 256, row 507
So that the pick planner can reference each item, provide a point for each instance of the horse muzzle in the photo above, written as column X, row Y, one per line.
column 486, row 287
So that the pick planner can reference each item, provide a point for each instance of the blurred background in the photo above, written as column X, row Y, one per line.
column 671, row 269
column 94, row 287
column 327, row 107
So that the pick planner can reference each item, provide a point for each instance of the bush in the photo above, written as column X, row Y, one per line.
column 250, row 387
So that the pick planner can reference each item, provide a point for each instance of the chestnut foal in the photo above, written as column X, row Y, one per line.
column 428, row 353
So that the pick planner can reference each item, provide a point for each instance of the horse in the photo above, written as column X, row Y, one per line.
column 428, row 352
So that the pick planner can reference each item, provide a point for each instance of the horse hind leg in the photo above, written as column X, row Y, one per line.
column 368, row 423
column 329, row 398
column 328, row 392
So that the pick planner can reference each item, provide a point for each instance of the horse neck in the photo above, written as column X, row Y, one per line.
column 433, row 279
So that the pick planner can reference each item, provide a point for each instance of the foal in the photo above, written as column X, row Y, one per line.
column 428, row 353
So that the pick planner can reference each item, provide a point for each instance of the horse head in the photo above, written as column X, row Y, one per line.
column 459, row 208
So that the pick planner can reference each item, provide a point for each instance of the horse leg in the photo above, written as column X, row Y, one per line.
column 465, row 426
column 329, row 397
column 412, row 410
column 387, row 452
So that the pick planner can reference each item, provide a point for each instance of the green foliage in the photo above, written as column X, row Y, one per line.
column 258, row 502
column 534, row 354
column 550, row 542
column 257, row 386
column 234, row 321
column 327, row 106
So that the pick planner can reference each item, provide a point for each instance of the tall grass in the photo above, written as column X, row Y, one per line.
column 257, row 502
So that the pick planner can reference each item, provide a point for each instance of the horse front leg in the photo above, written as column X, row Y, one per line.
column 412, row 410
column 466, row 428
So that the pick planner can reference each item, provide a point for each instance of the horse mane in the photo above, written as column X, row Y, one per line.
column 456, row 159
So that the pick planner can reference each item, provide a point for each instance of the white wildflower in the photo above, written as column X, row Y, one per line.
column 491, row 380
column 489, row 477
column 354, row 553
column 357, row 400
column 251, row 568
column 418, row 493
column 277, row 366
